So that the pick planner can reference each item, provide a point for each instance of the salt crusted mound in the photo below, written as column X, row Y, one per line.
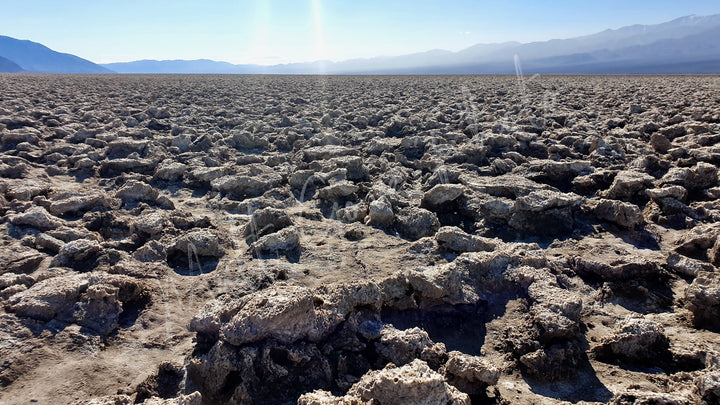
column 347, row 240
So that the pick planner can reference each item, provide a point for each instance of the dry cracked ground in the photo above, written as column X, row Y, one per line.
column 348, row 240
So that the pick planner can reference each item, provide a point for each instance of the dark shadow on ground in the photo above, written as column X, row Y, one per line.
column 81, row 176
column 641, row 239
column 583, row 385
column 642, row 296
column 292, row 256
column 460, row 327
column 185, row 265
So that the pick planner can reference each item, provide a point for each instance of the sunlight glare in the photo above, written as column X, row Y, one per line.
column 320, row 51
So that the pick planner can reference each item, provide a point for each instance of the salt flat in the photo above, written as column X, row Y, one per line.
column 274, row 239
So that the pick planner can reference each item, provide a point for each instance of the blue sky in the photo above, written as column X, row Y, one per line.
column 280, row 31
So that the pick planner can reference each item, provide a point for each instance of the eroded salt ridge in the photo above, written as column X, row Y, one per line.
column 337, row 240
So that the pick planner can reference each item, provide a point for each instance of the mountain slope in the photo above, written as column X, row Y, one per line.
column 34, row 57
column 690, row 48
column 172, row 66
column 8, row 66
column 634, row 35
column 683, row 45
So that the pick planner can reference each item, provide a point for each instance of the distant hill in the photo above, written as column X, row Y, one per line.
column 684, row 45
column 33, row 57
column 172, row 66
column 8, row 66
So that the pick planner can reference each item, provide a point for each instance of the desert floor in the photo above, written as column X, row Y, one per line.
column 337, row 240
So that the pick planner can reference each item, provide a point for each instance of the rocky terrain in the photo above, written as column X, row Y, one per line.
column 348, row 240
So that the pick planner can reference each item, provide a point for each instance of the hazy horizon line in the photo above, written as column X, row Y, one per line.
column 510, row 41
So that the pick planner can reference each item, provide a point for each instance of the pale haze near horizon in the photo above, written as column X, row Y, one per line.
column 272, row 32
